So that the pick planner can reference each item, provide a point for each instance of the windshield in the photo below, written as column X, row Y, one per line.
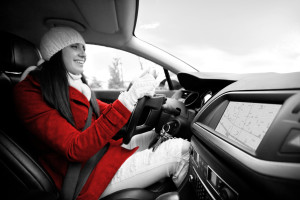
column 236, row 36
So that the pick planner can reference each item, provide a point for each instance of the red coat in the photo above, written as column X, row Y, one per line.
column 58, row 142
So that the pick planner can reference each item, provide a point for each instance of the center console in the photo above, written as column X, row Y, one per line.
column 206, row 182
column 245, row 145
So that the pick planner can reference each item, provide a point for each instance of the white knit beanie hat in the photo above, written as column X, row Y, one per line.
column 58, row 38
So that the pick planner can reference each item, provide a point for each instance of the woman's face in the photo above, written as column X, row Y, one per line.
column 74, row 57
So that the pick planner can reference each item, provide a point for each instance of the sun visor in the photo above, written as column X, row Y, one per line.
column 105, row 21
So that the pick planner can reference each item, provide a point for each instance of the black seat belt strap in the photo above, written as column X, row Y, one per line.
column 88, row 168
column 70, row 180
column 76, row 177
column 89, row 119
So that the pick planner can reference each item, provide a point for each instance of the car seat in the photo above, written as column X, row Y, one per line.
column 21, row 175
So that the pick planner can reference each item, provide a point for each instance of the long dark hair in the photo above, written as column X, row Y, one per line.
column 52, row 76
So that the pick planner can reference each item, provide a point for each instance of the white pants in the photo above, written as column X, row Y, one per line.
column 146, row 167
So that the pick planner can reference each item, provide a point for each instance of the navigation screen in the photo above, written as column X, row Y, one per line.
column 247, row 123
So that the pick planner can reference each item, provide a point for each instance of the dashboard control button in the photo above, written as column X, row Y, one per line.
column 191, row 178
column 292, row 142
column 227, row 194
column 296, row 109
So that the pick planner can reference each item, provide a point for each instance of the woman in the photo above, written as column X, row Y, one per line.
column 53, row 102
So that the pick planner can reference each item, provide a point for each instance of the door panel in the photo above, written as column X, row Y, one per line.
column 107, row 96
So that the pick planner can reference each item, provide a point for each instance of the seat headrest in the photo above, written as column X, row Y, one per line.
column 16, row 54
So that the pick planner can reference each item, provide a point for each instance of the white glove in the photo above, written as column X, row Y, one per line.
column 143, row 86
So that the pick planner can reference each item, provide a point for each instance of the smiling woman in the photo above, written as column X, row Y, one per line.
column 225, row 36
column 62, row 112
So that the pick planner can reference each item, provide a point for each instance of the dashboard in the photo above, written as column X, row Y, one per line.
column 245, row 135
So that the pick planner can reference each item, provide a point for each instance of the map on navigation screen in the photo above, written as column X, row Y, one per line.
column 247, row 123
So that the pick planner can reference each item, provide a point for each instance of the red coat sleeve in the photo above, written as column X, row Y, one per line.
column 50, row 127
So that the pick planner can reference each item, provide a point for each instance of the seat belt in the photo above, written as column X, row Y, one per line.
column 88, row 168
column 76, row 177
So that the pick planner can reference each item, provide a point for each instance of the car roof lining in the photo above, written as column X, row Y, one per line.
column 114, row 29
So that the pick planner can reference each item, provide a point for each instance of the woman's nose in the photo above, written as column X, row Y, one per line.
column 82, row 53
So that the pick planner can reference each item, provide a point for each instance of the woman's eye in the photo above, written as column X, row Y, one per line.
column 74, row 46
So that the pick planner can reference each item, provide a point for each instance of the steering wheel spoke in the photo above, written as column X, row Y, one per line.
column 144, row 117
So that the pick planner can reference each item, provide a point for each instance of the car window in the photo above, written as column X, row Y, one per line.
column 108, row 68
column 235, row 36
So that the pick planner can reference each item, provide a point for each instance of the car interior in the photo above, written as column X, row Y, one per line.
column 244, row 129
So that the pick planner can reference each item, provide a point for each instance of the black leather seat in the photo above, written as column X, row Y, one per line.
column 21, row 176
column 16, row 54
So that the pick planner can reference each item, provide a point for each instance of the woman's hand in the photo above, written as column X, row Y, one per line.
column 143, row 86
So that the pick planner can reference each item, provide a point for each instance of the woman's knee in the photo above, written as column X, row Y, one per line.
column 185, row 149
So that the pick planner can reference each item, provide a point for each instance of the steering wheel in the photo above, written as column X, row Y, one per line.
column 152, row 105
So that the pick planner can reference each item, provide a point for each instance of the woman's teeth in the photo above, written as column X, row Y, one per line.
column 80, row 62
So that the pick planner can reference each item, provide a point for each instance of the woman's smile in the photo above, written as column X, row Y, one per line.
column 81, row 62
column 74, row 57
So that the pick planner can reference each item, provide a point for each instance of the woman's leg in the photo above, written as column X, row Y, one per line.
column 146, row 167
column 142, row 140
